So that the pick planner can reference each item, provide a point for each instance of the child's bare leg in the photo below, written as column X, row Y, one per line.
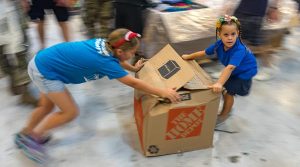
column 68, row 112
column 45, row 106
column 227, row 106
column 65, row 30
column 41, row 32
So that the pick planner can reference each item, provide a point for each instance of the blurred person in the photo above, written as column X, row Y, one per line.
column 14, row 49
column 239, row 61
column 298, row 2
column 130, row 15
column 251, row 14
column 98, row 13
column 62, row 64
column 36, row 11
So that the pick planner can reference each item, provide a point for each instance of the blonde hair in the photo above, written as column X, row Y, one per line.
column 116, row 36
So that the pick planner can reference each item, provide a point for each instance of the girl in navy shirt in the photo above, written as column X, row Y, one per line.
column 240, row 63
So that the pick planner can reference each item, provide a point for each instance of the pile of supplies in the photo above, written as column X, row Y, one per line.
column 176, row 5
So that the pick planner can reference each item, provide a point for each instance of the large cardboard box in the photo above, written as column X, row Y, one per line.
column 166, row 128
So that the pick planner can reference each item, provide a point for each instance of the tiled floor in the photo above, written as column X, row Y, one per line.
column 267, row 123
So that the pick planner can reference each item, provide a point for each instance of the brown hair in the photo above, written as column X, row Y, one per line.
column 118, row 35
column 227, row 20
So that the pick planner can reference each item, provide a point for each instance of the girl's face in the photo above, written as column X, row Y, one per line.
column 228, row 34
column 126, row 55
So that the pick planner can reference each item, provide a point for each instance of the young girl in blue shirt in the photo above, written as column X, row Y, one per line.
column 240, row 63
column 75, row 63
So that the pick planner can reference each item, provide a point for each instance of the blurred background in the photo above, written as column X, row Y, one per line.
column 264, row 129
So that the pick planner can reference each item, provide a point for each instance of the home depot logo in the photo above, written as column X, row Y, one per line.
column 138, row 114
column 185, row 122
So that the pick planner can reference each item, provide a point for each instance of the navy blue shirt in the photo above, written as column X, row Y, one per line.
column 252, row 7
column 78, row 62
column 238, row 55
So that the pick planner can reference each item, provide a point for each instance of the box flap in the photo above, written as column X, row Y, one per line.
column 166, row 69
column 201, row 79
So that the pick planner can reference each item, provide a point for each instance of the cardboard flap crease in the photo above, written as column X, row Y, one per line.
column 168, row 70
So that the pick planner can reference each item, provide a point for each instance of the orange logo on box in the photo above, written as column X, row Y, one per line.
column 138, row 114
column 185, row 122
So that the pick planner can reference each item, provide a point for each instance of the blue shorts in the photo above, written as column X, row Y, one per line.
column 237, row 86
column 43, row 84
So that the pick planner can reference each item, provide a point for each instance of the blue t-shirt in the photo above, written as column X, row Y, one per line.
column 78, row 62
column 239, row 56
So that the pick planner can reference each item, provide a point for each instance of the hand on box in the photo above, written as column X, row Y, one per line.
column 138, row 65
column 216, row 88
column 171, row 94
column 186, row 57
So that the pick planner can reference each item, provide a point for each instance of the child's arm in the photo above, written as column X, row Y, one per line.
column 218, row 86
column 193, row 55
column 171, row 94
column 127, row 66
column 138, row 65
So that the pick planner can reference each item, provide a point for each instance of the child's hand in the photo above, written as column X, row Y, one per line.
column 138, row 65
column 186, row 57
column 171, row 94
column 216, row 88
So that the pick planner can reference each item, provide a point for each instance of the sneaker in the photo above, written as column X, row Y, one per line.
column 221, row 120
column 265, row 74
column 45, row 139
column 32, row 149
column 42, row 141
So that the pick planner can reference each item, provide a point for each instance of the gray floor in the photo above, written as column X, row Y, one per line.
column 266, row 123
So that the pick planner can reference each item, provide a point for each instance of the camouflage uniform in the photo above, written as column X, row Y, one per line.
column 98, row 13
column 14, row 48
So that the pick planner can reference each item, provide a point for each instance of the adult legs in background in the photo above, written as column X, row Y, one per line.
column 106, row 18
column 254, row 37
column 124, row 19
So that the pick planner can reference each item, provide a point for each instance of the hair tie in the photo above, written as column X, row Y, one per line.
column 225, row 18
column 128, row 36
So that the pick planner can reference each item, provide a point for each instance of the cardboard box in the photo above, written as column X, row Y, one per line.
column 166, row 128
